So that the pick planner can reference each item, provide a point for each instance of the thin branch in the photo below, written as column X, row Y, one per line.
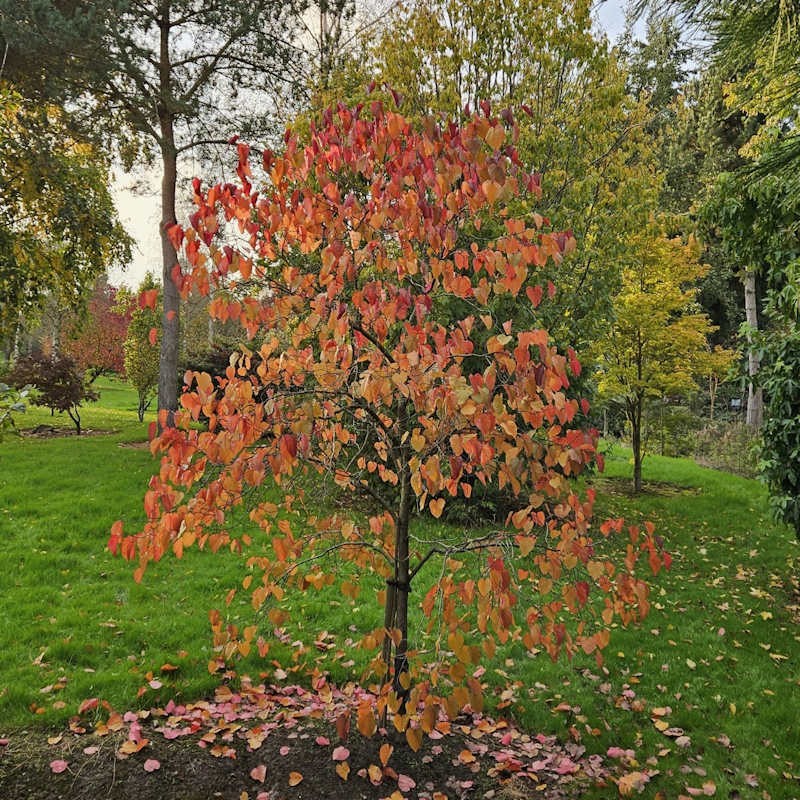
column 332, row 549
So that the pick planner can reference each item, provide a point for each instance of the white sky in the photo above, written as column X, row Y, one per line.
column 138, row 195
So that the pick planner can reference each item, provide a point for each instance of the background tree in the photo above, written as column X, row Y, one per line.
column 57, row 383
column 658, row 340
column 582, row 131
column 95, row 338
column 160, row 74
column 383, row 370
column 58, row 226
column 141, row 346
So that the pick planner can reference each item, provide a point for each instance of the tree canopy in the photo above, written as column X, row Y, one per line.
column 378, row 366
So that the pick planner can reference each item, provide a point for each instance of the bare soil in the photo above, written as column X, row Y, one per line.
column 285, row 747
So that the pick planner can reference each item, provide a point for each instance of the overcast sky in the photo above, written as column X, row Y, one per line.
column 138, row 201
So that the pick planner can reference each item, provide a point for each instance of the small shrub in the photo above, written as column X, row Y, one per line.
column 57, row 382
column 12, row 401
column 729, row 446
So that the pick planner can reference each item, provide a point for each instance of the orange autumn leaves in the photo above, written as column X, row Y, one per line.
column 391, row 298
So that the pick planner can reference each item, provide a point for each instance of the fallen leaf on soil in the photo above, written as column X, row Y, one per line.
column 343, row 770
column 151, row 765
column 340, row 754
column 405, row 783
column 466, row 757
column 295, row 778
column 58, row 766
column 259, row 773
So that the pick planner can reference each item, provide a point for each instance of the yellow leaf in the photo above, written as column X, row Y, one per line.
column 414, row 738
column 436, row 506
column 295, row 778
column 343, row 770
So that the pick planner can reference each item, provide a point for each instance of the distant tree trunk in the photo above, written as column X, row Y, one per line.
column 634, row 413
column 168, row 360
column 713, row 386
column 755, row 403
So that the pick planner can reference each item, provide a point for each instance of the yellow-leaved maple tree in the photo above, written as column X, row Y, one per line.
column 362, row 271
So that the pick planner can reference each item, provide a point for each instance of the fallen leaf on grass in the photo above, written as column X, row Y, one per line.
column 58, row 766
column 151, row 765
column 632, row 782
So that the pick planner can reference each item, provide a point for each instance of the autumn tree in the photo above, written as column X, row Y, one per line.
column 94, row 339
column 141, row 346
column 658, row 340
column 380, row 369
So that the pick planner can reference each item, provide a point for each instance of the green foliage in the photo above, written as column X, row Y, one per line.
column 579, row 127
column 141, row 345
column 58, row 384
column 659, row 337
column 58, row 226
column 12, row 401
column 780, row 449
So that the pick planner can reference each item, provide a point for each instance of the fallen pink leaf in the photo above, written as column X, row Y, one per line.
column 151, row 765
column 58, row 766
column 405, row 783
column 259, row 773
column 340, row 754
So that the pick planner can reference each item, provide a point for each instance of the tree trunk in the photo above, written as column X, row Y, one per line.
column 397, row 591
column 634, row 408
column 168, row 358
column 755, row 404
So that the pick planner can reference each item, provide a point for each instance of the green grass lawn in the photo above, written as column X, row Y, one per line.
column 718, row 657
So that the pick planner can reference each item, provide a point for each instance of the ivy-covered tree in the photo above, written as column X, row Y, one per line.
column 141, row 346
column 382, row 370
